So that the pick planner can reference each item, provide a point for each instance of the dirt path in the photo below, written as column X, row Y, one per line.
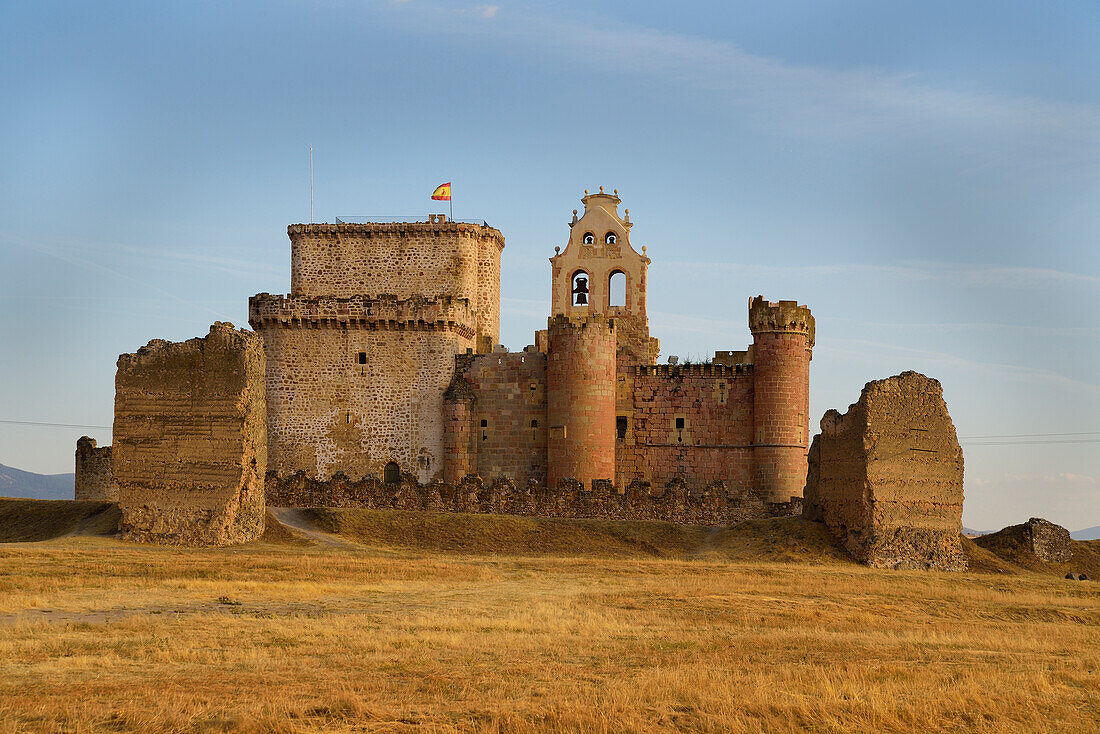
column 296, row 520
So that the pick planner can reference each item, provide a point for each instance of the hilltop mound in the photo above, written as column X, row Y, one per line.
column 28, row 521
column 31, row 521
column 781, row 539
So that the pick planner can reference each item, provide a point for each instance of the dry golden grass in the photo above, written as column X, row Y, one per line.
column 684, row 632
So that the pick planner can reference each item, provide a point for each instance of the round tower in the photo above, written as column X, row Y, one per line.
column 580, row 380
column 458, row 415
column 783, row 340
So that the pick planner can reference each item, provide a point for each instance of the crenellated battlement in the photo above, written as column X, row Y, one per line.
column 781, row 316
column 692, row 370
column 437, row 225
column 586, row 321
column 377, row 312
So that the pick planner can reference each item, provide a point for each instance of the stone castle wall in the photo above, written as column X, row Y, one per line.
column 190, row 439
column 330, row 409
column 509, row 425
column 94, row 479
column 713, row 403
column 886, row 477
column 714, row 505
column 405, row 259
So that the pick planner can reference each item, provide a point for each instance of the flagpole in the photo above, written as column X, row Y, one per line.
column 311, row 184
column 451, row 201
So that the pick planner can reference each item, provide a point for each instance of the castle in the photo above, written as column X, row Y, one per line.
column 383, row 360
column 378, row 382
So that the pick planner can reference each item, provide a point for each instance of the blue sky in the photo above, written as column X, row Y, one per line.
column 925, row 176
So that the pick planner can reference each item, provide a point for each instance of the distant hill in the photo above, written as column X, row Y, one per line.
column 1092, row 533
column 19, row 483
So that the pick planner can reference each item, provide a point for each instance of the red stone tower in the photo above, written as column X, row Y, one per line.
column 580, row 380
column 783, row 340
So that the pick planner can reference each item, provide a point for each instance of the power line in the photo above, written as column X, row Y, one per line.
column 52, row 425
column 1032, row 435
column 1030, row 443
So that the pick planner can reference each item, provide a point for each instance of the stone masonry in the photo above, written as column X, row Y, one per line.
column 382, row 363
column 94, row 479
column 886, row 477
column 361, row 351
column 1045, row 540
column 190, row 440
column 716, row 504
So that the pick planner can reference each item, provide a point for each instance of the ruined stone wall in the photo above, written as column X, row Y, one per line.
column 886, row 477
column 94, row 479
column 509, row 414
column 714, row 505
column 190, row 439
column 693, row 422
column 403, row 259
column 580, row 380
column 329, row 411
column 1043, row 539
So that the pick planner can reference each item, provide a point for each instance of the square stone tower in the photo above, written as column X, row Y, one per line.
column 361, row 351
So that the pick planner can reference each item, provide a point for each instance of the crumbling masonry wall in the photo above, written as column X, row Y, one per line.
column 886, row 477
column 94, row 479
column 190, row 439
column 714, row 505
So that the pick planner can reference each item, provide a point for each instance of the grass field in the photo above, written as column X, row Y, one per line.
column 405, row 622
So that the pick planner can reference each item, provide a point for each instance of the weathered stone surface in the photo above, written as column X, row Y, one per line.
column 715, row 505
column 190, row 451
column 1042, row 538
column 94, row 478
column 383, row 359
column 886, row 477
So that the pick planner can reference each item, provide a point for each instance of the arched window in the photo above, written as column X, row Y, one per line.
column 580, row 288
column 392, row 473
column 589, row 238
column 616, row 289
column 609, row 238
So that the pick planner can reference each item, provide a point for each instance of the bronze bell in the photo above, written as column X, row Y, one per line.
column 580, row 292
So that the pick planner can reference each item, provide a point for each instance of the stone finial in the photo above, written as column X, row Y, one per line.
column 616, row 192
column 601, row 189
column 557, row 249
column 586, row 192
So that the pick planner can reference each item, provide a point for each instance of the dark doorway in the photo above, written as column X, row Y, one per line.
column 392, row 473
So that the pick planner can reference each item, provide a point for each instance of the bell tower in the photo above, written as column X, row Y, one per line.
column 600, row 273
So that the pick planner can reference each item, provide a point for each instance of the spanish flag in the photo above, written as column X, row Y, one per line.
column 442, row 192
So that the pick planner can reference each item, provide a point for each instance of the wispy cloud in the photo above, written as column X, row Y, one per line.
column 962, row 274
column 120, row 252
column 868, row 349
column 782, row 94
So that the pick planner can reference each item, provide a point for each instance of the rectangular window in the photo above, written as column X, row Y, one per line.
column 484, row 423
column 362, row 357
column 534, row 423
column 679, row 424
column 620, row 427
